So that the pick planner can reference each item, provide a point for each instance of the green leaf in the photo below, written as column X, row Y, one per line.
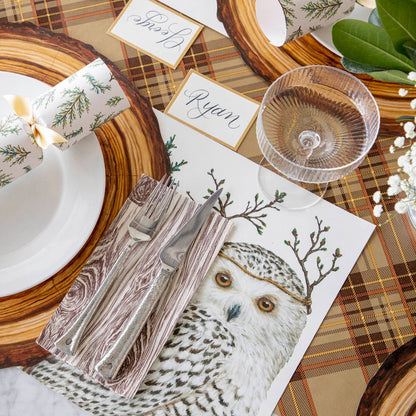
column 358, row 68
column 374, row 18
column 392, row 75
column 367, row 44
column 410, row 47
column 405, row 118
column 398, row 18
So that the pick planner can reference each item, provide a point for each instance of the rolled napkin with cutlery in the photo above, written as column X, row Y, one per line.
column 64, row 115
column 138, row 274
column 171, row 257
column 285, row 20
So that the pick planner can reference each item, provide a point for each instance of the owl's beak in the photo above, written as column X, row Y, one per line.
column 233, row 312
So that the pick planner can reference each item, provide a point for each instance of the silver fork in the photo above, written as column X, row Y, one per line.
column 142, row 228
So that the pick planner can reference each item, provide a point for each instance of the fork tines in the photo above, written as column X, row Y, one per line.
column 148, row 217
column 161, row 197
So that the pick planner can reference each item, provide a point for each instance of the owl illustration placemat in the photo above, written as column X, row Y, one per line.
column 245, row 330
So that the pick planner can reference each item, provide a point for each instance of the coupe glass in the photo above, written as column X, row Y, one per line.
column 315, row 125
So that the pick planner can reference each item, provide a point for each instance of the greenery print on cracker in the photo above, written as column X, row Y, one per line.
column 93, row 98
column 385, row 46
column 9, row 125
column 5, row 178
column 73, row 109
column 75, row 104
column 14, row 154
column 18, row 153
column 322, row 9
column 305, row 17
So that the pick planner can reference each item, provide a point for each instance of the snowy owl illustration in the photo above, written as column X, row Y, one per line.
column 238, row 331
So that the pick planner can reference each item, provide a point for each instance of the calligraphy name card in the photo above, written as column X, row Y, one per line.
column 155, row 30
column 213, row 109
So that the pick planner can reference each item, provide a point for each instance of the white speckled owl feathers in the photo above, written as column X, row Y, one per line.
column 237, row 333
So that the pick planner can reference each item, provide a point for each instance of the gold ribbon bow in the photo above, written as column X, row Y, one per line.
column 44, row 136
column 371, row 4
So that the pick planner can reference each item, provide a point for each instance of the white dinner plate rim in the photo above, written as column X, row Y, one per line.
column 18, row 277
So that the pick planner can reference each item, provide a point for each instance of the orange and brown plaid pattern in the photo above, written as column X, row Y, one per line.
column 375, row 311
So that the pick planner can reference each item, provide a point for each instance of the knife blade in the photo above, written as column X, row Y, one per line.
column 171, row 256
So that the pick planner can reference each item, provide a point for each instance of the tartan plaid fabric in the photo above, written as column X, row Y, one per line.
column 375, row 311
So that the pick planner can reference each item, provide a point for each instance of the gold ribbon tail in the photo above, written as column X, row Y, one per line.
column 43, row 135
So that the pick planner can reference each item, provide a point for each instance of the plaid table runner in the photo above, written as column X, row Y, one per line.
column 375, row 310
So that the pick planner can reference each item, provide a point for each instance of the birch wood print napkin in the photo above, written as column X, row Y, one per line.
column 140, row 267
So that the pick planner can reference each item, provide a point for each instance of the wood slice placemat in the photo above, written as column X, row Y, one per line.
column 392, row 389
column 131, row 144
column 269, row 61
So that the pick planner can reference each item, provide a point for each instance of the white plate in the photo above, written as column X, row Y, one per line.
column 47, row 215
column 324, row 35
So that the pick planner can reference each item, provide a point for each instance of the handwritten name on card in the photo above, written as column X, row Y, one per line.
column 213, row 109
column 155, row 30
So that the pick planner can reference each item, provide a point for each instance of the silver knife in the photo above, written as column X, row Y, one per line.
column 172, row 256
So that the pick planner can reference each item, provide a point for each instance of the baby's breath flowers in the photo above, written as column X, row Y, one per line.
column 404, row 181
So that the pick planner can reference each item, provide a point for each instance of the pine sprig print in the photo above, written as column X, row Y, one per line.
column 174, row 167
column 322, row 9
column 77, row 103
column 100, row 119
column 113, row 101
column 314, row 28
column 44, row 100
column 5, row 178
column 97, row 86
column 14, row 154
column 349, row 11
column 69, row 136
column 296, row 34
column 288, row 11
column 9, row 126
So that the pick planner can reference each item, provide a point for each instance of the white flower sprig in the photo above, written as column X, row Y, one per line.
column 404, row 181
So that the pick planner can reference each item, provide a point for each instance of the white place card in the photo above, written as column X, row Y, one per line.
column 213, row 109
column 155, row 30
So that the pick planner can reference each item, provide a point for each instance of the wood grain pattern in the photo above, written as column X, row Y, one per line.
column 131, row 145
column 269, row 61
column 140, row 267
column 392, row 390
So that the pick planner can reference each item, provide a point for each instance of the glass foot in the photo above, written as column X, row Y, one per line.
column 299, row 196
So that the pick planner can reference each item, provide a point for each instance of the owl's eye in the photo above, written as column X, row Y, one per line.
column 223, row 279
column 265, row 304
